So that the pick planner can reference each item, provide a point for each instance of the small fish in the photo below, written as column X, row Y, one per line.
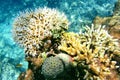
column 19, row 65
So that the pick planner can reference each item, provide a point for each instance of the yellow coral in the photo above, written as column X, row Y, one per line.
column 95, row 46
column 69, row 43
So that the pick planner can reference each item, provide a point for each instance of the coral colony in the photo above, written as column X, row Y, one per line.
column 55, row 54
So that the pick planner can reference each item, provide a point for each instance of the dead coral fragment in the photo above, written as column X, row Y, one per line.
column 32, row 27
column 94, row 48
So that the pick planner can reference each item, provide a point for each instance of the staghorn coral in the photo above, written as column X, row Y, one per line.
column 93, row 51
column 69, row 43
column 113, row 27
column 34, row 30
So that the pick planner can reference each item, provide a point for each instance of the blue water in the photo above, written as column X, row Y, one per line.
column 79, row 12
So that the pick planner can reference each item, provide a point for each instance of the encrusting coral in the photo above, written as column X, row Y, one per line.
column 35, row 29
column 93, row 50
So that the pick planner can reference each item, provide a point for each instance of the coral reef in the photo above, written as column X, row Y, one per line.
column 78, row 12
column 52, row 52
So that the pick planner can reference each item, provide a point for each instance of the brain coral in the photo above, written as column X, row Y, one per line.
column 52, row 67
column 31, row 28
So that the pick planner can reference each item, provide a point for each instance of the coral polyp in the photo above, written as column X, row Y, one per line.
column 32, row 28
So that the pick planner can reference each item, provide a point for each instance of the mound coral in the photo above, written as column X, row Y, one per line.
column 52, row 67
column 32, row 28
column 93, row 51
column 56, row 67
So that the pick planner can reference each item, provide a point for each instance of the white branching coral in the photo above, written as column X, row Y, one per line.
column 32, row 27
column 94, row 48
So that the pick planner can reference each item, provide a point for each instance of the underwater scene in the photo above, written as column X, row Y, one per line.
column 59, row 39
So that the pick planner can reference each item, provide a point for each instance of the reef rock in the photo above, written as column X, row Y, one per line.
column 112, row 25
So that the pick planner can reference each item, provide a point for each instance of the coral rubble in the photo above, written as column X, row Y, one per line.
column 55, row 54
